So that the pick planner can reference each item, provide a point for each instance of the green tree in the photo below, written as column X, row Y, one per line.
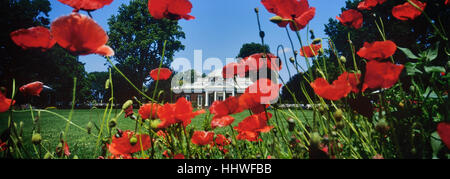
column 252, row 48
column 418, row 32
column 137, row 40
column 97, row 87
column 54, row 67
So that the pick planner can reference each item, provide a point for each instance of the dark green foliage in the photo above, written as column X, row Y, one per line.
column 55, row 67
column 137, row 40
column 252, row 48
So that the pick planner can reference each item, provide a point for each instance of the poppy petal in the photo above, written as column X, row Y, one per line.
column 88, row 5
column 34, row 37
column 164, row 73
column 382, row 74
column 443, row 130
column 407, row 11
column 352, row 18
column 378, row 50
column 79, row 34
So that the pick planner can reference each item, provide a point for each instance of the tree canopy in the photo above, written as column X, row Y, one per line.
column 55, row 67
column 137, row 39
column 252, row 48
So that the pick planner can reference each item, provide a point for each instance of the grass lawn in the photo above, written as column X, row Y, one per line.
column 84, row 145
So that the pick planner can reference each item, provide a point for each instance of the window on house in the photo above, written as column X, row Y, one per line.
column 200, row 100
column 188, row 97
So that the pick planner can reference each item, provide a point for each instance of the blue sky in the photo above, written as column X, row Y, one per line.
column 220, row 27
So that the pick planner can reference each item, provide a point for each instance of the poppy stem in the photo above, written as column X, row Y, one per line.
column 159, row 69
column 131, row 83
column 72, row 109
column 429, row 20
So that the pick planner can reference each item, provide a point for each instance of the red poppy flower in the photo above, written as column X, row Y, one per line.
column 65, row 150
column 80, row 35
column 339, row 89
column 122, row 146
column 161, row 133
column 264, row 91
column 88, row 5
column 296, row 10
column 178, row 156
column 221, row 121
column 257, row 61
column 221, row 140
column 202, row 137
column 34, row 37
column 149, row 109
column 352, row 18
column 180, row 112
column 443, row 130
column 446, row 2
column 378, row 50
column 407, row 11
column 307, row 51
column 2, row 146
column 5, row 103
column 378, row 156
column 129, row 111
column 164, row 73
column 170, row 9
column 230, row 70
column 381, row 74
column 32, row 89
column 249, row 101
column 368, row 4
column 353, row 79
column 226, row 107
column 251, row 126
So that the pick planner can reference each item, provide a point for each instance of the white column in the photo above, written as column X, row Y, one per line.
column 215, row 95
column 232, row 93
column 224, row 95
column 206, row 98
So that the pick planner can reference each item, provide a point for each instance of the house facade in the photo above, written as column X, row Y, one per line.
column 205, row 90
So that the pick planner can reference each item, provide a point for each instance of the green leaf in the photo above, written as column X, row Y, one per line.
column 430, row 69
column 432, row 53
column 408, row 53
column 436, row 144
column 411, row 69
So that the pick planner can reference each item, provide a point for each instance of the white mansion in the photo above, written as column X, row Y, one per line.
column 204, row 91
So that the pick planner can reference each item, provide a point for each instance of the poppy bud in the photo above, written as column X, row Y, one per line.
column 340, row 125
column 133, row 140
column 312, row 34
column 107, row 83
column 292, row 59
column 127, row 104
column 48, row 155
column 262, row 34
column 256, row 10
column 113, row 123
column 276, row 19
column 343, row 59
column 36, row 138
column 75, row 157
column 401, row 104
column 321, row 109
column 338, row 115
column 317, row 41
column 291, row 123
column 154, row 123
column 315, row 140
column 382, row 126
column 89, row 127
